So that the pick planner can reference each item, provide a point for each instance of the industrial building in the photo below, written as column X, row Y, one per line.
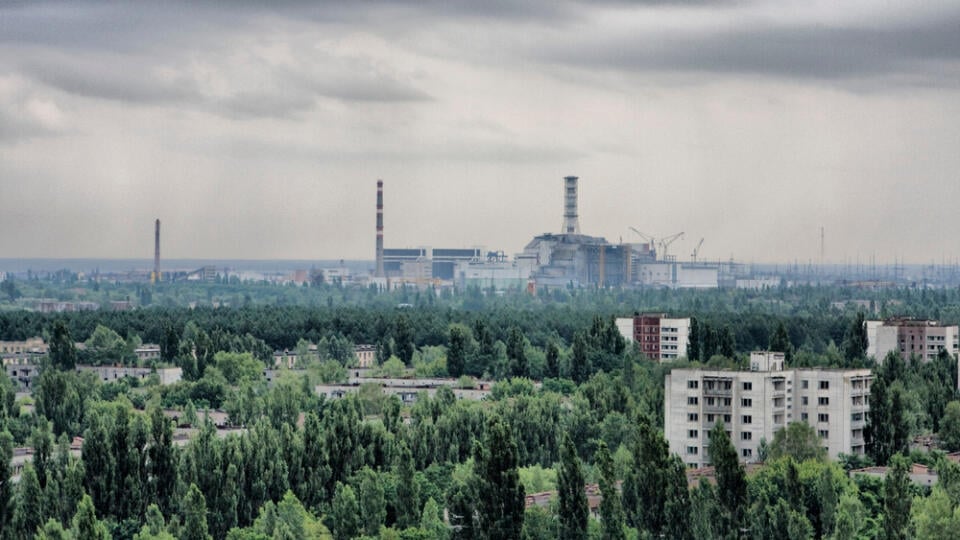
column 755, row 404
column 658, row 337
column 550, row 260
column 911, row 337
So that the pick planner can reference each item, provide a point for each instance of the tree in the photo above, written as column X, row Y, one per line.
column 850, row 518
column 457, row 350
column 935, row 517
column 611, row 511
column 780, row 342
column 373, row 505
column 431, row 521
column 500, row 494
column 580, row 368
column 344, row 513
column 552, row 361
column 28, row 515
column 408, row 496
column 516, row 345
column 573, row 511
column 85, row 522
column 194, row 512
column 798, row 440
column 950, row 427
column 855, row 340
column 897, row 499
column 694, row 340
column 879, row 433
column 6, row 491
column 403, row 337
column 731, row 478
column 63, row 351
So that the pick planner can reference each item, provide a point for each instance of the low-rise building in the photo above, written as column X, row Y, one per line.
column 755, row 404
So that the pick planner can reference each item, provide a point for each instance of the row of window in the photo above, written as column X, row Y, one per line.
column 747, row 386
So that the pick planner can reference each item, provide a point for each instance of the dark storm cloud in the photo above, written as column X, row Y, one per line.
column 919, row 52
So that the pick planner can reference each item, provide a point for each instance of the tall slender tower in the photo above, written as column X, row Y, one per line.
column 156, row 253
column 380, row 272
column 571, row 222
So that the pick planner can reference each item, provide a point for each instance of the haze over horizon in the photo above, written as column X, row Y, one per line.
column 259, row 133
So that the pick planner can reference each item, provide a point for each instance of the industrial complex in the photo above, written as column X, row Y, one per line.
column 567, row 258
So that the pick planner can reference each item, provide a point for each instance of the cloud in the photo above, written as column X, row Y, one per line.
column 747, row 40
column 25, row 114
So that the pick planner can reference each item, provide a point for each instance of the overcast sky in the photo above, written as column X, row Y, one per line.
column 256, row 132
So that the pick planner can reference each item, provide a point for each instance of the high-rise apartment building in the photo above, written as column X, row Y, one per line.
column 755, row 404
column 910, row 337
column 659, row 337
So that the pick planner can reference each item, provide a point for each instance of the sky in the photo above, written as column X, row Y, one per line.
column 258, row 130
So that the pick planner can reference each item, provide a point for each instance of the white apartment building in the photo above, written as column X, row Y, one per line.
column 659, row 337
column 755, row 404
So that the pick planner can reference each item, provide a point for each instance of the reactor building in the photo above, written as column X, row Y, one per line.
column 571, row 258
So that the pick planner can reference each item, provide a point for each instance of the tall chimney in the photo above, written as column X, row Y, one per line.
column 571, row 223
column 379, row 272
column 156, row 253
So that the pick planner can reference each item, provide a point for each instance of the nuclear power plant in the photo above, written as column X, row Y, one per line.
column 566, row 259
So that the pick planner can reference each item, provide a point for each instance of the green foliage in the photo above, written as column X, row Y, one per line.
column 500, row 494
column 799, row 440
column 194, row 511
column 85, row 522
column 573, row 510
column 897, row 499
column 950, row 427
column 731, row 478
column 238, row 367
column 344, row 513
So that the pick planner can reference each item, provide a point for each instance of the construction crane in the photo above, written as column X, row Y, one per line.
column 646, row 237
column 696, row 251
column 665, row 243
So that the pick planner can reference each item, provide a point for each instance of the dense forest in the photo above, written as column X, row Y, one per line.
column 368, row 466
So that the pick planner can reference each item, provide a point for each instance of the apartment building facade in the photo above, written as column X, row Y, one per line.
column 658, row 336
column 755, row 404
column 910, row 337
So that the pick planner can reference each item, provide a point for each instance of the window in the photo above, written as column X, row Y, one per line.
column 692, row 433
column 747, row 419
column 778, row 402
column 805, row 385
column 824, row 434
column 711, row 417
column 746, row 436
column 747, row 452
column 727, row 402
column 710, row 402
column 693, row 417
column 824, row 385
column 693, row 384
column 803, row 416
column 726, row 419
column 748, row 386
column 822, row 417
column 804, row 400
column 746, row 402
column 823, row 401
column 692, row 450
column 692, row 400
column 856, row 417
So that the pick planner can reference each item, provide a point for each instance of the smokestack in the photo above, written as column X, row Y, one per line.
column 156, row 253
column 379, row 272
column 571, row 223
